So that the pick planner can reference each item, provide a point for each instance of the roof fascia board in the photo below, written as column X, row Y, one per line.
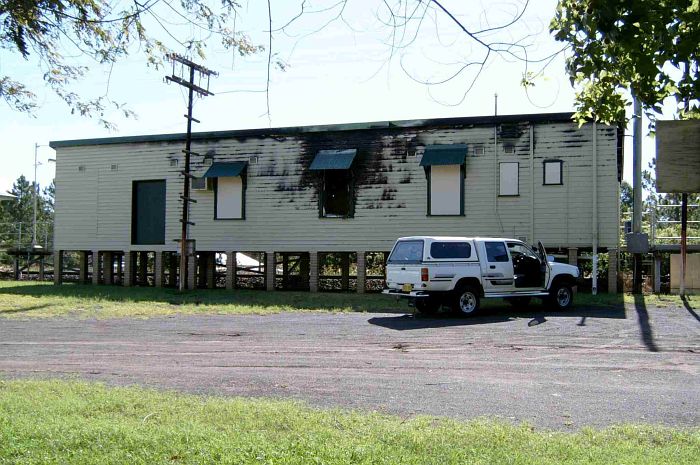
column 295, row 130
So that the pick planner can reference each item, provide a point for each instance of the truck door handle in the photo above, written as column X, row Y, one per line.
column 493, row 267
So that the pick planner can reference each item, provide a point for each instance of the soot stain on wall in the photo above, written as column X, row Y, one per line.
column 377, row 150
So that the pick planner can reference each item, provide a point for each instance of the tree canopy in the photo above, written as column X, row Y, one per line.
column 648, row 48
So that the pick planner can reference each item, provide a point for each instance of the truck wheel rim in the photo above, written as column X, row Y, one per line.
column 467, row 302
column 563, row 297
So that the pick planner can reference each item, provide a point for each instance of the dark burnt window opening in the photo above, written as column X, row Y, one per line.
column 336, row 190
column 337, row 194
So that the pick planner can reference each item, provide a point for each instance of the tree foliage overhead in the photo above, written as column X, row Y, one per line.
column 55, row 33
column 647, row 47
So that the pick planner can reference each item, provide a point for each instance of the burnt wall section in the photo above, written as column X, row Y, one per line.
column 380, row 155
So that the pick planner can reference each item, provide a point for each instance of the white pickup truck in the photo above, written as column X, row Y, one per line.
column 459, row 271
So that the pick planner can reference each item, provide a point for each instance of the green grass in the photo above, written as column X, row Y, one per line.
column 58, row 422
column 652, row 300
column 32, row 299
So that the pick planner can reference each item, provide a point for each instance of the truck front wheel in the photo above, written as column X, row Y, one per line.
column 465, row 301
column 561, row 296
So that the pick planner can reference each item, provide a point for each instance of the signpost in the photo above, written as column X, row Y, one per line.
column 677, row 168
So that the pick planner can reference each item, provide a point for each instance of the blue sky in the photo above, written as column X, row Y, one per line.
column 343, row 73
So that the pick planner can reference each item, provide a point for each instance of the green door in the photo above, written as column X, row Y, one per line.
column 148, row 212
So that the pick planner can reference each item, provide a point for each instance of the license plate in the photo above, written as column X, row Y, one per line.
column 407, row 287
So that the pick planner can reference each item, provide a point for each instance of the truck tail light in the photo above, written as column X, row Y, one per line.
column 424, row 274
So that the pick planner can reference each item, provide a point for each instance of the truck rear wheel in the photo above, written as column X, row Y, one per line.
column 427, row 305
column 465, row 301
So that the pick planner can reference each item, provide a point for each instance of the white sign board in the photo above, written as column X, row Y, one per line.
column 678, row 156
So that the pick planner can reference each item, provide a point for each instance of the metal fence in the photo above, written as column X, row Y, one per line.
column 663, row 231
column 18, row 236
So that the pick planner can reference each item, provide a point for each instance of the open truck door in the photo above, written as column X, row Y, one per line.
column 547, row 269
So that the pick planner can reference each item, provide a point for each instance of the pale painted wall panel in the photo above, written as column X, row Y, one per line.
column 229, row 198
column 508, row 178
column 445, row 190
column 552, row 172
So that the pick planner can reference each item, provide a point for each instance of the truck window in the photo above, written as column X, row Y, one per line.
column 496, row 252
column 407, row 252
column 450, row 250
column 517, row 249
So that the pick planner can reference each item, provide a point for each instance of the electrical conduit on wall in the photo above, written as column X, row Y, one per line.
column 594, row 284
column 496, row 183
column 532, row 183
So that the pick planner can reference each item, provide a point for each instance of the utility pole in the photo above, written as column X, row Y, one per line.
column 684, row 240
column 637, row 191
column 202, row 73
column 36, row 194
column 36, row 189
column 684, row 213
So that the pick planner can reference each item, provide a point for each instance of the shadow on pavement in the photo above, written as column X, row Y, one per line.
column 500, row 314
column 644, row 325
column 408, row 322
column 688, row 307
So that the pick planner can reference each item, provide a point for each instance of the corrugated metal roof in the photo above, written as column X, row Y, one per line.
column 294, row 130
column 333, row 160
column 225, row 169
column 444, row 155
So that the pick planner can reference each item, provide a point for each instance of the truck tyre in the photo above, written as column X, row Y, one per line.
column 519, row 302
column 560, row 295
column 427, row 305
column 465, row 301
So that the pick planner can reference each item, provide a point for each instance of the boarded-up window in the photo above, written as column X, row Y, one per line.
column 553, row 172
column 508, row 179
column 446, row 190
column 229, row 193
column 444, row 166
column 229, row 198
column 148, row 212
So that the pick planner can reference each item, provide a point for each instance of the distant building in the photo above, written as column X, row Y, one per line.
column 301, row 201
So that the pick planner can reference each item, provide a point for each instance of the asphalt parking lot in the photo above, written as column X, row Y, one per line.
column 586, row 366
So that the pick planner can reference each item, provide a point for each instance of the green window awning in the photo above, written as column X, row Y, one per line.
column 226, row 169
column 444, row 155
column 333, row 160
